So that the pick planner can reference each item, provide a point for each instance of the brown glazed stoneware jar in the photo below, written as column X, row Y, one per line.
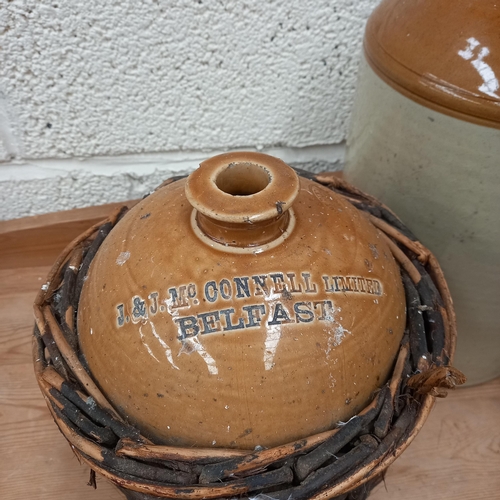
column 442, row 54
column 242, row 307
column 425, row 140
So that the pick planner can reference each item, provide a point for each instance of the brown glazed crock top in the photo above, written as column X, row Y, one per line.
column 244, row 306
column 444, row 54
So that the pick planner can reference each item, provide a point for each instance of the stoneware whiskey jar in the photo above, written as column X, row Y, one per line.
column 425, row 139
column 195, row 328
column 244, row 331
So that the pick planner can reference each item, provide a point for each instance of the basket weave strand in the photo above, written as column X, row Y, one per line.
column 343, row 463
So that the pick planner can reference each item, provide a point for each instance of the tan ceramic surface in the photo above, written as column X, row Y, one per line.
column 444, row 54
column 441, row 175
column 200, row 345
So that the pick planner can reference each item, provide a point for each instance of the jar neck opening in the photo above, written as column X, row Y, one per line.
column 243, row 179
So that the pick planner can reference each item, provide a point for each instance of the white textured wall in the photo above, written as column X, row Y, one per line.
column 86, row 79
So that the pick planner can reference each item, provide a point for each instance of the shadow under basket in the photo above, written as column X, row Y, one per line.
column 342, row 463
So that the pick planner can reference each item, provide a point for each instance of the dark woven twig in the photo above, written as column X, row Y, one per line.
column 343, row 463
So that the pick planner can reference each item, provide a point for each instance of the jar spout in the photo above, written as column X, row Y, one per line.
column 242, row 200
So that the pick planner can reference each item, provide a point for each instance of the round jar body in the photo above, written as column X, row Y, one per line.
column 440, row 174
column 202, row 344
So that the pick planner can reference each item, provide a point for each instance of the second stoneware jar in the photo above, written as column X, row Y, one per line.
column 425, row 139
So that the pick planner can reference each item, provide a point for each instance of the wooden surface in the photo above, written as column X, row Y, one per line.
column 35, row 241
column 456, row 455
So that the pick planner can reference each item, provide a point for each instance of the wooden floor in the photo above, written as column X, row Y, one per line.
column 456, row 455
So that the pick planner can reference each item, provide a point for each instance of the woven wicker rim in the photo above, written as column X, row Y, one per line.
column 322, row 466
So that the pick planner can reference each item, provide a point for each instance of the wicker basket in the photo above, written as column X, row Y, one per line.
column 343, row 463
